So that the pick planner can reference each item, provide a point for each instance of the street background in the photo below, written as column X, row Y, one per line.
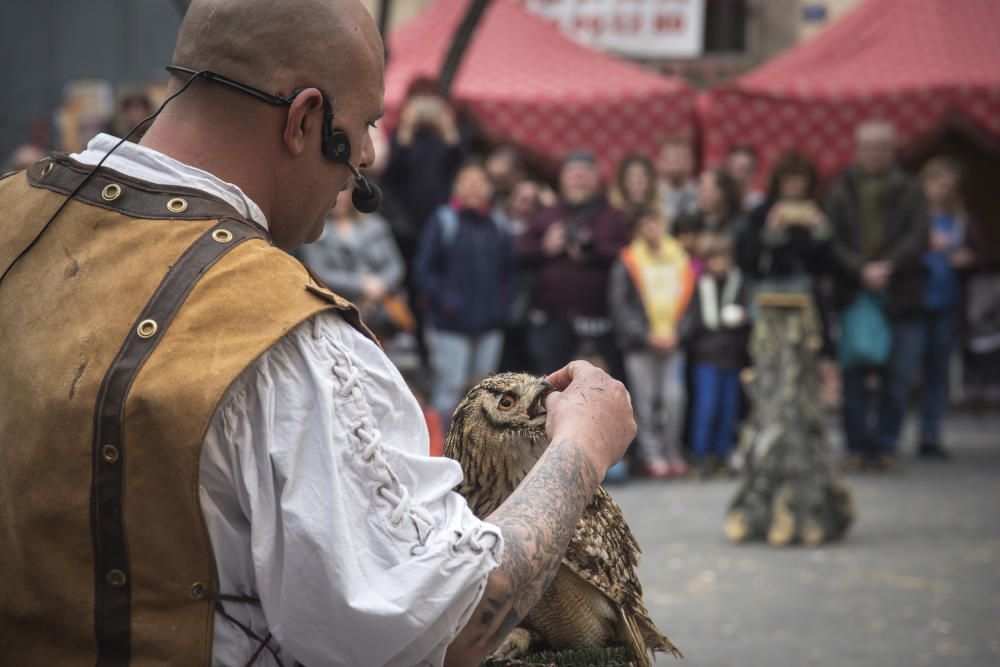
column 915, row 583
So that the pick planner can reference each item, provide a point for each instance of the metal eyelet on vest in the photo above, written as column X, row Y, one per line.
column 177, row 205
column 197, row 590
column 47, row 169
column 146, row 328
column 115, row 578
column 222, row 235
column 111, row 192
column 109, row 453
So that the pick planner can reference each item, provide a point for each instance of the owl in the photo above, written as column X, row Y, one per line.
column 595, row 598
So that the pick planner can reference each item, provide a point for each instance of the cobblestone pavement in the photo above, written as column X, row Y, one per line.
column 916, row 582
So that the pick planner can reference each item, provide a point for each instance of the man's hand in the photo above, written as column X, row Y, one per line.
column 875, row 275
column 372, row 289
column 589, row 406
column 554, row 240
column 664, row 342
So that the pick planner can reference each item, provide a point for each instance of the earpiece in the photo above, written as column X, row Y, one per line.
column 336, row 146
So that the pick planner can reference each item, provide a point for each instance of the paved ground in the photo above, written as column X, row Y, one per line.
column 916, row 582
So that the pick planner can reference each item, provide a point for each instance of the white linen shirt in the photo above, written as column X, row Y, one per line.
column 319, row 494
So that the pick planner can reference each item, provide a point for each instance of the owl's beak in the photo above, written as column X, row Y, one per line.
column 537, row 407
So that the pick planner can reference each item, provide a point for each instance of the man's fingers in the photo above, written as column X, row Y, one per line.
column 562, row 377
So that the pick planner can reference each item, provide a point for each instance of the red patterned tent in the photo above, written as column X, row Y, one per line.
column 527, row 83
column 923, row 64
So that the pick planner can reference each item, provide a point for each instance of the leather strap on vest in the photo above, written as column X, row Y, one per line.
column 111, row 568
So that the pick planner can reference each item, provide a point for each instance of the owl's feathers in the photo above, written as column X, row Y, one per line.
column 497, row 434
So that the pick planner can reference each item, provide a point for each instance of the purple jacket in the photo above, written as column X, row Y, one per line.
column 565, row 287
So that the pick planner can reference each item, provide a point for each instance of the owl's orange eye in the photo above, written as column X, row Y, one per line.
column 507, row 401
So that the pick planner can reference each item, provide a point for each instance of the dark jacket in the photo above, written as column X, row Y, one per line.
column 565, row 287
column 418, row 179
column 706, row 338
column 907, row 228
column 792, row 251
column 465, row 272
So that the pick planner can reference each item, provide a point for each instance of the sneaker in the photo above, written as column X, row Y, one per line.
column 656, row 468
column 679, row 469
column 933, row 451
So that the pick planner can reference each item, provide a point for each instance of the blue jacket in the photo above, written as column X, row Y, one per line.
column 465, row 270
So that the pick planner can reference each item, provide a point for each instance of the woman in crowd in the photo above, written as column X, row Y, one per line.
column 648, row 290
column 786, row 238
column 465, row 272
column 357, row 258
column 947, row 255
column 634, row 190
column 719, row 206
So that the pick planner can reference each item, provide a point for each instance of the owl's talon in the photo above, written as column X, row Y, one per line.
column 515, row 645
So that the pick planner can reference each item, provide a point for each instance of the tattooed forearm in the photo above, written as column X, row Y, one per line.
column 537, row 522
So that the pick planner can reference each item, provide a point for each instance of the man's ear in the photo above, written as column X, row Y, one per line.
column 302, row 125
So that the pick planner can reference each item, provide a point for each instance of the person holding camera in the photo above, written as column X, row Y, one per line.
column 571, row 245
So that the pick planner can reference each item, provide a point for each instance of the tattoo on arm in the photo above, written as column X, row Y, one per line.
column 537, row 522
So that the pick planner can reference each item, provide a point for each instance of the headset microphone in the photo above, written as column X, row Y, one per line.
column 367, row 197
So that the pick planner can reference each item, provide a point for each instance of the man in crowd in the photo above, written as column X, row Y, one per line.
column 741, row 165
column 675, row 168
column 215, row 464
column 571, row 246
column 880, row 231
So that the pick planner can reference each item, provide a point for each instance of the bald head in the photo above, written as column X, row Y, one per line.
column 278, row 46
column 324, row 49
column 875, row 146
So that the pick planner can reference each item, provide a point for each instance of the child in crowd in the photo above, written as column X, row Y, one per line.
column 649, row 288
column 715, row 331
column 465, row 270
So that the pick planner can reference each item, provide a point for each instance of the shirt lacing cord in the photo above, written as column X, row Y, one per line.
column 348, row 379
column 466, row 539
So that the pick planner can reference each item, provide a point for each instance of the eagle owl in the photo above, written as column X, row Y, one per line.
column 595, row 598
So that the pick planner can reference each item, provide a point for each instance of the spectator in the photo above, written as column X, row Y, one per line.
column 787, row 235
column 719, row 203
column 517, row 210
column 505, row 170
column 948, row 254
column 687, row 229
column 677, row 188
column 23, row 157
column 648, row 292
column 741, row 165
column 880, row 232
column 465, row 272
column 133, row 107
column 571, row 246
column 715, row 331
column 357, row 257
column 785, row 248
column 424, row 155
column 634, row 189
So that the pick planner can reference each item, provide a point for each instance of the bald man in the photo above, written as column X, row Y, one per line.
column 209, row 461
column 880, row 231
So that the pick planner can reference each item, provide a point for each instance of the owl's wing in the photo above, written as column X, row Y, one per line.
column 604, row 552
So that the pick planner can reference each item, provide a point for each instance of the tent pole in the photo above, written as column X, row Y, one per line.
column 384, row 8
column 459, row 43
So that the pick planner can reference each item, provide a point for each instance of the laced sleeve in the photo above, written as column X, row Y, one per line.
column 361, row 552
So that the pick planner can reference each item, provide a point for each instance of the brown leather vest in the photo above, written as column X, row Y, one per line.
column 121, row 328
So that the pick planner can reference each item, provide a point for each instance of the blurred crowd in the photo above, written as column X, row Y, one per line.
column 477, row 262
